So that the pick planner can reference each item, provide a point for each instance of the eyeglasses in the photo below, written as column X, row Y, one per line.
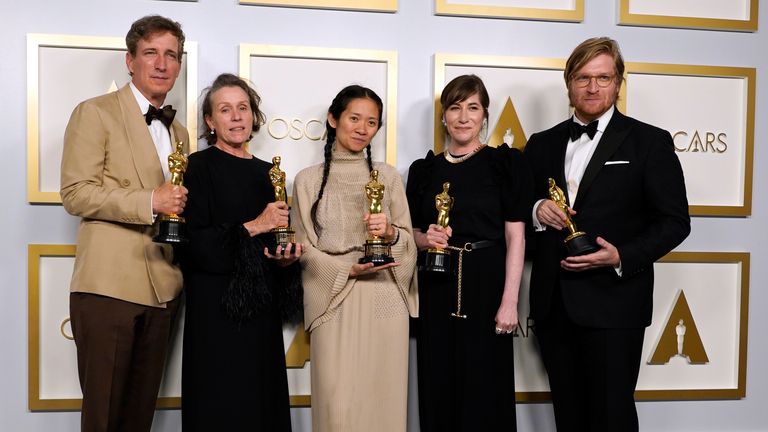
column 601, row 80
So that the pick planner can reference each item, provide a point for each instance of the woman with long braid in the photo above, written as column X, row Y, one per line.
column 357, row 314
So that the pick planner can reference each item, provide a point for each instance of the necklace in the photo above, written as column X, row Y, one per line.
column 459, row 159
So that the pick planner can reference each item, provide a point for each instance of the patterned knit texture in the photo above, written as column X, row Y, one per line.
column 338, row 242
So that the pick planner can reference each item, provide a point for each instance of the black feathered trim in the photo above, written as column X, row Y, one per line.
column 258, row 284
column 248, row 292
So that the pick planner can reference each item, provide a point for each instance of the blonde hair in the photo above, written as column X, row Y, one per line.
column 588, row 50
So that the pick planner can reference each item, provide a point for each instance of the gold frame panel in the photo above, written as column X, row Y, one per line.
column 443, row 7
column 442, row 60
column 359, row 5
column 742, row 258
column 748, row 74
column 37, row 40
column 627, row 18
column 34, row 253
column 362, row 55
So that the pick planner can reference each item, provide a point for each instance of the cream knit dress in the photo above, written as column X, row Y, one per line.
column 359, row 326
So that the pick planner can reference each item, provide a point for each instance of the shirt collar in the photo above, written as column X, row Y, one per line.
column 140, row 99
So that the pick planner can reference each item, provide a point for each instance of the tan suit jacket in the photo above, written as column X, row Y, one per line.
column 109, row 168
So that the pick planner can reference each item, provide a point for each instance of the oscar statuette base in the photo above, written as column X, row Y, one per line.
column 172, row 229
column 376, row 251
column 438, row 260
column 283, row 237
column 579, row 243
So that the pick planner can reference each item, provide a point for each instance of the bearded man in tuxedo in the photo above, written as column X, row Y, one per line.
column 624, row 185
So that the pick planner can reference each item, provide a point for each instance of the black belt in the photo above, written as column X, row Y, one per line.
column 468, row 247
column 482, row 244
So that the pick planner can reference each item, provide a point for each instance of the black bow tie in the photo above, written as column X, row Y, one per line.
column 165, row 115
column 576, row 130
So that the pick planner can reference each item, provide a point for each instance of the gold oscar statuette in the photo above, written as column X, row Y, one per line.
column 284, row 235
column 438, row 259
column 376, row 250
column 577, row 242
column 171, row 227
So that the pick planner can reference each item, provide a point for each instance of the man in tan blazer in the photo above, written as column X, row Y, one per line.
column 114, row 175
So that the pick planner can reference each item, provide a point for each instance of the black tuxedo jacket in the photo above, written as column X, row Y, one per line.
column 632, row 195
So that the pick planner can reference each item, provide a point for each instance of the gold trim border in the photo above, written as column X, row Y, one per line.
column 443, row 7
column 37, row 40
column 34, row 253
column 361, row 55
column 627, row 18
column 442, row 60
column 358, row 5
column 748, row 74
column 742, row 258
column 670, row 21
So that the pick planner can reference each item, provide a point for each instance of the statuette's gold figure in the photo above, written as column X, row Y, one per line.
column 284, row 234
column 443, row 204
column 277, row 177
column 172, row 227
column 556, row 194
column 375, row 193
column 439, row 259
column 577, row 242
column 375, row 249
column 177, row 164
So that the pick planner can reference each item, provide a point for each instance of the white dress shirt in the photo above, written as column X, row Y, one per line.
column 161, row 137
column 579, row 152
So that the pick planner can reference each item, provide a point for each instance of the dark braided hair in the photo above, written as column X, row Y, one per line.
column 338, row 106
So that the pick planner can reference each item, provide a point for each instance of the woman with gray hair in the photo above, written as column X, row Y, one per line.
column 238, row 294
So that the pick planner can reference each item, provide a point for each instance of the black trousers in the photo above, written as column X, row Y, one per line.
column 592, row 372
column 121, row 350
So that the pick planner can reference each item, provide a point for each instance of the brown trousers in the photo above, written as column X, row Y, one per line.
column 121, row 351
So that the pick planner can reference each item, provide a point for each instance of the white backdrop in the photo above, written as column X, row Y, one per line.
column 416, row 34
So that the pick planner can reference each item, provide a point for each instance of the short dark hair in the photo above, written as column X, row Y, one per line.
column 149, row 25
column 230, row 80
column 590, row 49
column 461, row 88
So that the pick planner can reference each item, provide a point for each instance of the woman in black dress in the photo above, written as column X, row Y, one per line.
column 465, row 362
column 237, row 294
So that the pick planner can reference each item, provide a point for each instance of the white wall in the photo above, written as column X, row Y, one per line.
column 219, row 26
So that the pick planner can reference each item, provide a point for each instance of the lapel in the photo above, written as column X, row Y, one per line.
column 177, row 134
column 615, row 134
column 560, row 142
column 142, row 147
